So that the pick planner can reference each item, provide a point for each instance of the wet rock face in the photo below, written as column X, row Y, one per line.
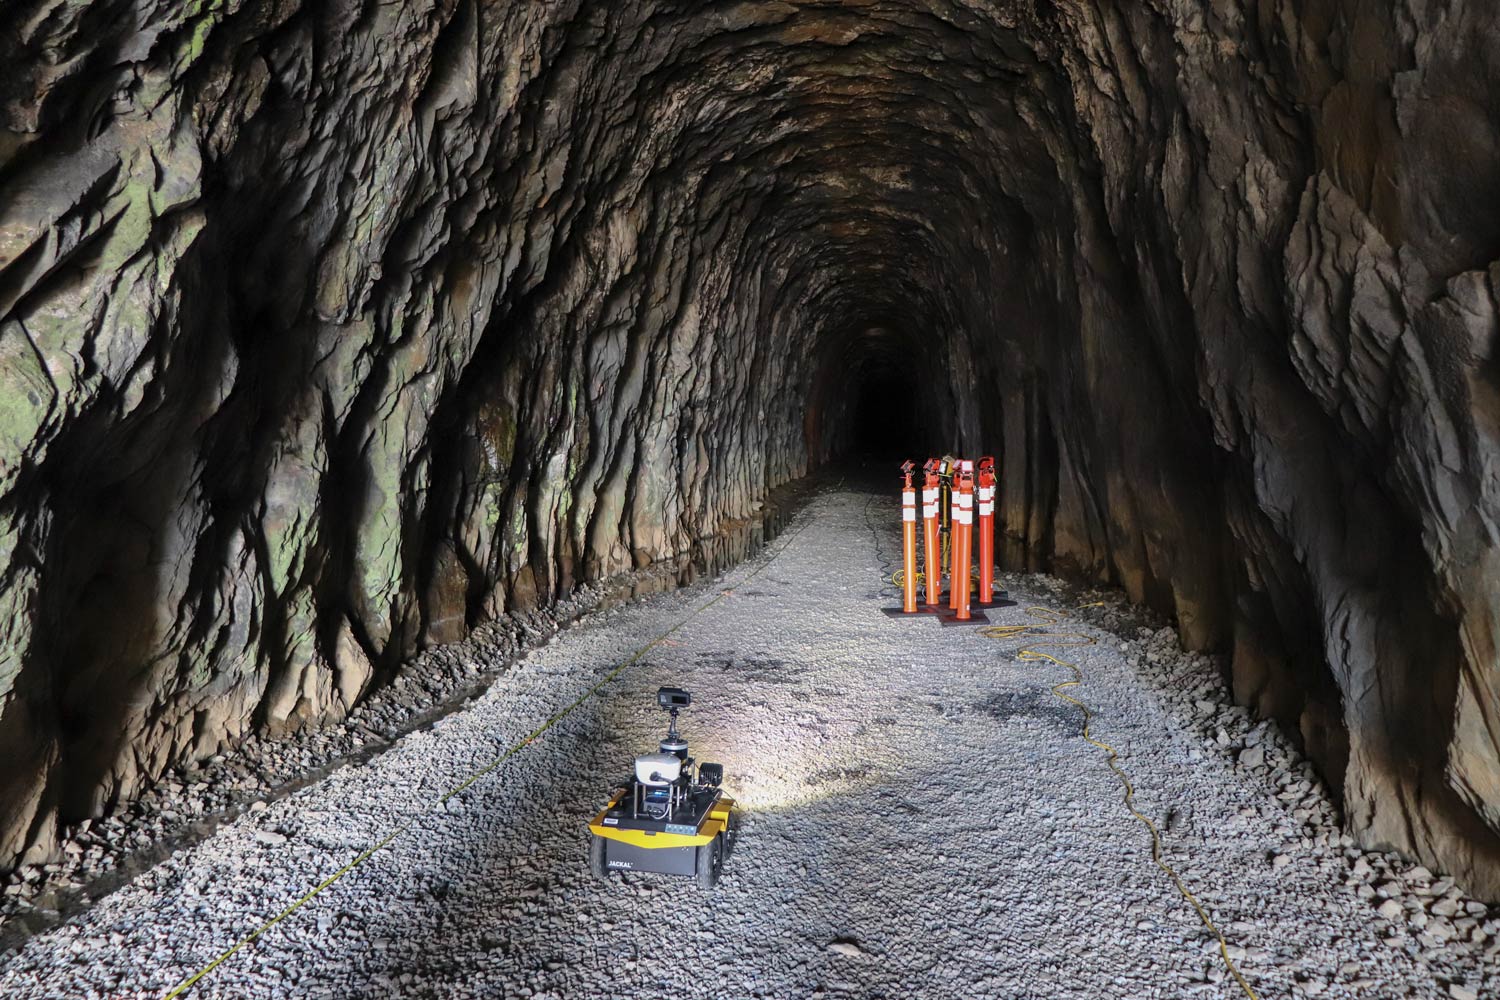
column 327, row 331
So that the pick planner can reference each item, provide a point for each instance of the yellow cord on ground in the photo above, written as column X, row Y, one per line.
column 364, row 856
column 898, row 578
column 1037, row 635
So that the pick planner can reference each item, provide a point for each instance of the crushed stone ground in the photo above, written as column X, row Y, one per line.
column 919, row 819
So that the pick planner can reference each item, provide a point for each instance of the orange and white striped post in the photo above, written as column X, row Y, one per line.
column 908, row 542
column 986, row 512
column 955, row 507
column 964, row 560
column 908, row 545
column 963, row 548
column 930, row 533
column 988, row 597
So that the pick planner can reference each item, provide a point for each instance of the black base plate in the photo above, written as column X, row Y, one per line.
column 1002, row 600
column 975, row 618
column 922, row 609
column 999, row 602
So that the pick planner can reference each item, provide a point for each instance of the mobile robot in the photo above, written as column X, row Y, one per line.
column 665, row 818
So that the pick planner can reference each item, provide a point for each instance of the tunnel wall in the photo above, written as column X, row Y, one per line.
column 330, row 330
column 1291, row 448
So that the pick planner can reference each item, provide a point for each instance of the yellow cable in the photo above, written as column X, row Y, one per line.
column 1031, row 651
column 899, row 577
column 187, row 984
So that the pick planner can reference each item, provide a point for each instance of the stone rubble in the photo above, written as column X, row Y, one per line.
column 189, row 803
column 1003, row 863
column 329, row 332
column 1424, row 916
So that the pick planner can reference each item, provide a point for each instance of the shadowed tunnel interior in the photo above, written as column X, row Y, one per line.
column 331, row 331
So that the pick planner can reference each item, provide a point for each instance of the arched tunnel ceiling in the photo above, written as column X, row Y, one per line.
column 332, row 330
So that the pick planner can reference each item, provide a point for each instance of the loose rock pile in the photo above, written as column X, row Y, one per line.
column 1423, row 915
column 188, row 803
column 1008, row 865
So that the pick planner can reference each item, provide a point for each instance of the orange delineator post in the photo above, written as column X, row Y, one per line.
column 963, row 548
column 930, row 532
column 909, row 543
column 986, row 530
column 988, row 597
column 956, row 495
column 965, row 538
column 955, row 505
column 908, row 547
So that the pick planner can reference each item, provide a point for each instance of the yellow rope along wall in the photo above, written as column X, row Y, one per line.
column 1038, row 635
column 365, row 855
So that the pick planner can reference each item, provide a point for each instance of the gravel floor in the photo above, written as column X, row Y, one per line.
column 921, row 819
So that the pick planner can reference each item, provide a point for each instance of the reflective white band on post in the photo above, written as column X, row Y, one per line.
column 986, row 509
column 908, row 496
column 930, row 510
column 909, row 514
column 929, row 496
column 986, row 493
column 964, row 517
column 966, row 500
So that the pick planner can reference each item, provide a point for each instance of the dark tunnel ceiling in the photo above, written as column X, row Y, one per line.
column 332, row 331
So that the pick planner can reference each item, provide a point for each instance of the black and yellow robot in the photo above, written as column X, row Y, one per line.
column 666, row 818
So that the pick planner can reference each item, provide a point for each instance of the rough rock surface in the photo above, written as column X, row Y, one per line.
column 1007, row 867
column 191, row 802
column 330, row 331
